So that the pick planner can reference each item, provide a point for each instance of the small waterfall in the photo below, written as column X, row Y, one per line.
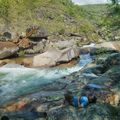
column 16, row 80
column 85, row 59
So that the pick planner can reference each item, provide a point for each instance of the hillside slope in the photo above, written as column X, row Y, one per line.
column 106, row 18
column 55, row 16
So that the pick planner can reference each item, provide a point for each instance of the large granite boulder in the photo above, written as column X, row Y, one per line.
column 68, row 54
column 54, row 56
column 112, row 60
column 7, row 49
column 48, row 58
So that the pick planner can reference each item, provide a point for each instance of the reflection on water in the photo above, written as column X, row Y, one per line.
column 16, row 80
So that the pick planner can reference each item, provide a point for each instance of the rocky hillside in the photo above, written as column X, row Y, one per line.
column 93, row 21
column 55, row 16
column 106, row 18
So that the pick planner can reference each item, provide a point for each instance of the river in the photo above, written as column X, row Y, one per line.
column 17, row 80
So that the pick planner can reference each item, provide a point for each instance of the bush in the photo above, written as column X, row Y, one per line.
column 62, row 31
column 21, row 53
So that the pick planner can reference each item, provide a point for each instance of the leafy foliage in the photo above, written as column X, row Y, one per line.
column 115, row 2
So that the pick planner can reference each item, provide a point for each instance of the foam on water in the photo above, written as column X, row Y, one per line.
column 16, row 80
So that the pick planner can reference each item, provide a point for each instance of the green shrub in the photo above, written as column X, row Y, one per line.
column 21, row 53
column 61, row 31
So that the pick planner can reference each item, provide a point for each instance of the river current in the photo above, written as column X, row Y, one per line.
column 17, row 80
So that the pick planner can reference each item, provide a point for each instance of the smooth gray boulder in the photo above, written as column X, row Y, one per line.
column 54, row 56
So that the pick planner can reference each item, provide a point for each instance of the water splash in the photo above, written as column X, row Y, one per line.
column 16, row 80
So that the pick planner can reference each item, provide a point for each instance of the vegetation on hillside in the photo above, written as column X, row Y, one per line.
column 114, row 14
column 54, row 15
column 61, row 16
column 106, row 18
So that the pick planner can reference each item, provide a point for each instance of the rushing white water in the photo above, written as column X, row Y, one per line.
column 16, row 80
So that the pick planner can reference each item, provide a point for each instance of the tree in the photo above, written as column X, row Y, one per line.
column 114, row 15
column 115, row 2
column 115, row 6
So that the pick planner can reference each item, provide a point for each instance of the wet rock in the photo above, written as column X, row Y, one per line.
column 111, row 77
column 97, row 70
column 55, row 86
column 92, row 112
column 112, row 60
column 7, row 49
column 101, row 60
column 114, row 75
column 99, row 55
column 87, row 48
